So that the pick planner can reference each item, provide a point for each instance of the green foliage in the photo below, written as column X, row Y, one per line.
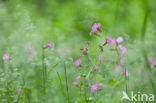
column 68, row 23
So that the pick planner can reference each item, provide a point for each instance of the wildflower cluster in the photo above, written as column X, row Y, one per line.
column 115, row 41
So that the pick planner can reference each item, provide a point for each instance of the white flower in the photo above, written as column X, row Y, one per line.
column 119, row 39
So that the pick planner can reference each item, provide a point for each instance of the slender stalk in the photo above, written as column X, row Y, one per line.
column 81, row 89
column 144, row 26
column 91, row 69
column 85, row 94
column 89, row 72
column 18, row 99
column 126, row 78
column 6, row 82
column 61, row 85
column 66, row 82
column 43, row 72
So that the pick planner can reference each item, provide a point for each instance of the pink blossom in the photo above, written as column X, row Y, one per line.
column 76, row 84
column 97, row 69
column 96, row 87
column 19, row 91
column 113, row 41
column 119, row 39
column 151, row 62
column 109, row 41
column 95, row 27
column 91, row 33
column 99, row 85
column 78, row 63
column 101, row 57
column 126, row 73
column 50, row 45
column 123, row 49
column 84, row 51
column 77, row 78
column 6, row 57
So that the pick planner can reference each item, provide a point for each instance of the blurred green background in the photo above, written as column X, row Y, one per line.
column 68, row 23
column 72, row 19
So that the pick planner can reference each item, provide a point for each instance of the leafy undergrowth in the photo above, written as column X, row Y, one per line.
column 99, row 73
column 38, row 65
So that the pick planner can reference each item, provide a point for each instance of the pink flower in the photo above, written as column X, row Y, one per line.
column 99, row 86
column 91, row 33
column 126, row 73
column 101, row 57
column 76, row 84
column 84, row 51
column 77, row 78
column 19, row 91
column 78, row 63
column 109, row 41
column 96, row 87
column 118, row 69
column 97, row 69
column 151, row 62
column 119, row 39
column 123, row 49
column 6, row 57
column 113, row 41
column 50, row 45
column 95, row 27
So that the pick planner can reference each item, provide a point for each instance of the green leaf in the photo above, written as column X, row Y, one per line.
column 112, row 82
column 61, row 85
column 53, row 67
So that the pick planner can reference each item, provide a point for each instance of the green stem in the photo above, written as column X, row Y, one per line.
column 80, row 89
column 143, row 31
column 43, row 72
column 66, row 82
column 85, row 94
column 126, row 78
column 61, row 85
